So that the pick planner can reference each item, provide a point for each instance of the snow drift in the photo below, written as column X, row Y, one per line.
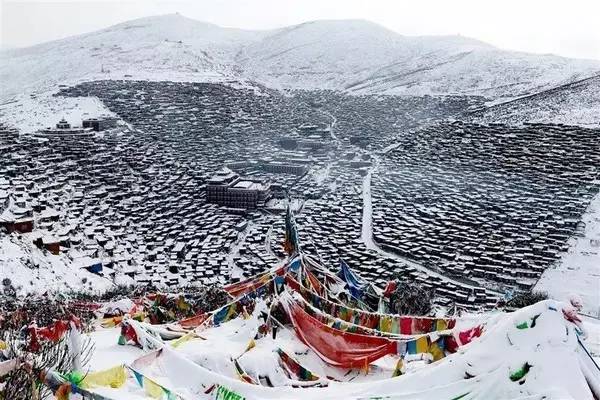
column 533, row 353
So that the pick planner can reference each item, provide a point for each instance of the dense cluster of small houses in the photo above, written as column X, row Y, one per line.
column 492, row 203
column 190, row 186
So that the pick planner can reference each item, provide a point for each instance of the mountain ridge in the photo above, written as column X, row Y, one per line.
column 357, row 56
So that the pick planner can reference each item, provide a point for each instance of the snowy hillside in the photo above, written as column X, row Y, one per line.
column 29, row 270
column 365, row 57
column 169, row 47
column 573, row 104
column 33, row 112
column 358, row 56
column 578, row 271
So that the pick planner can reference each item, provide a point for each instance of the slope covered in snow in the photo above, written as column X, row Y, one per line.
column 352, row 55
column 31, row 113
column 30, row 270
column 578, row 271
column 169, row 47
column 577, row 103
column 367, row 58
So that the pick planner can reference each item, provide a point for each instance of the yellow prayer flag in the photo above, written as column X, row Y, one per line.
column 185, row 338
column 436, row 352
column 385, row 324
column 399, row 370
column 152, row 389
column 441, row 325
column 251, row 345
column 114, row 377
column 422, row 345
column 111, row 322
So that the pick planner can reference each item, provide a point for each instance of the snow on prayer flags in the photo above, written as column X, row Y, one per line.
column 295, row 264
column 417, row 346
column 244, row 377
column 152, row 388
column 441, row 324
column 436, row 349
column 462, row 338
column 231, row 310
column 279, row 282
column 293, row 367
column 313, row 282
column 138, row 377
column 63, row 386
column 143, row 335
column 249, row 285
column 111, row 322
column 405, row 325
column 400, row 369
column 185, row 338
column 355, row 285
column 225, row 314
column 251, row 345
column 470, row 334
column 386, row 323
column 193, row 322
column 53, row 332
column 425, row 343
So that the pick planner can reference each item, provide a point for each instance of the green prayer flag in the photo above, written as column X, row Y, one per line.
column 225, row 394
column 522, row 325
column 520, row 373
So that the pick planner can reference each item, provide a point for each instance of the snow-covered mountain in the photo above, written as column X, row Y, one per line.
column 352, row 55
column 576, row 103
column 365, row 57
column 169, row 47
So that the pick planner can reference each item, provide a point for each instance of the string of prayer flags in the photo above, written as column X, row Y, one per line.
column 152, row 388
column 293, row 367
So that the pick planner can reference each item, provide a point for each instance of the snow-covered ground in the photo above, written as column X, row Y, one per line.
column 31, row 270
column 559, row 367
column 578, row 271
column 31, row 113
column 573, row 104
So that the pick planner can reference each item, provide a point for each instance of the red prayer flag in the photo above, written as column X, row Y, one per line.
column 338, row 348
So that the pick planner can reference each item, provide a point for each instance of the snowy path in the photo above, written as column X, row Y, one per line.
column 367, row 215
column 367, row 219
column 235, row 271
column 268, row 243
column 333, row 122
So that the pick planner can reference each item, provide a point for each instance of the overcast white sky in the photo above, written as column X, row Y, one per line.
column 566, row 27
